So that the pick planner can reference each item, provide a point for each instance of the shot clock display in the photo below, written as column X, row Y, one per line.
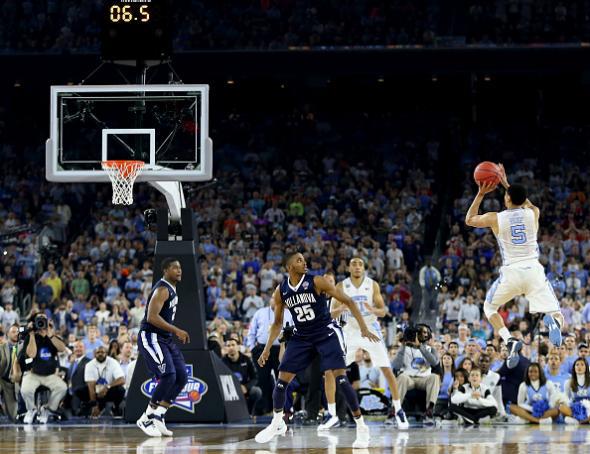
column 136, row 30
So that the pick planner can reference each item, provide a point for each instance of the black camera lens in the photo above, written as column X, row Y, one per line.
column 40, row 323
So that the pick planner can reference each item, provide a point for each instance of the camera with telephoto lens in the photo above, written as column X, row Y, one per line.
column 40, row 322
column 421, row 332
column 287, row 333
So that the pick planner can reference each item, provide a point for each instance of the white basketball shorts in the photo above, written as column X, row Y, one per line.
column 523, row 278
column 354, row 341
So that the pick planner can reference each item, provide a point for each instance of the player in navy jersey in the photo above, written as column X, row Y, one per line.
column 162, row 355
column 315, row 331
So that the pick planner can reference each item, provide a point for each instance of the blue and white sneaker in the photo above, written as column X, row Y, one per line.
column 328, row 422
column 402, row 421
column 514, row 347
column 554, row 329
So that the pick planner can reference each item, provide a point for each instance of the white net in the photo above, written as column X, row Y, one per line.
column 123, row 175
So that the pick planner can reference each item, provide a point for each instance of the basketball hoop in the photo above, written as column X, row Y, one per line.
column 123, row 175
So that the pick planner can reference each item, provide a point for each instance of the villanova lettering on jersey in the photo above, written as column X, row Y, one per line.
column 308, row 308
column 300, row 299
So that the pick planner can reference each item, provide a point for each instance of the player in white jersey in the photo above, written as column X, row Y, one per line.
column 365, row 292
column 521, row 273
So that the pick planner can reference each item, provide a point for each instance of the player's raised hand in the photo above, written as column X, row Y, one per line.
column 263, row 358
column 183, row 336
column 369, row 335
column 484, row 188
column 503, row 177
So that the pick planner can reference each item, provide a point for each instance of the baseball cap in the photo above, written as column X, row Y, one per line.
column 463, row 326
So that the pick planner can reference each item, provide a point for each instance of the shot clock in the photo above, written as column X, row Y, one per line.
column 136, row 30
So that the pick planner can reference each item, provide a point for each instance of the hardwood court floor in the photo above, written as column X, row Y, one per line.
column 229, row 439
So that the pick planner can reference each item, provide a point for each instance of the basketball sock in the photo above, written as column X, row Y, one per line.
column 279, row 396
column 349, row 392
column 332, row 409
column 505, row 334
column 397, row 406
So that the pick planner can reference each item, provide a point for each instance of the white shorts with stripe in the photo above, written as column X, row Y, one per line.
column 523, row 278
column 354, row 341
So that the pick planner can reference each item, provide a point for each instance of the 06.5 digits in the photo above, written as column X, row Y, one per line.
column 125, row 13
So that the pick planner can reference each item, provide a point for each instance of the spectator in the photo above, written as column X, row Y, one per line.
column 112, row 292
column 267, row 276
column 447, row 374
column 42, row 346
column 80, row 287
column 75, row 376
column 473, row 401
column 251, row 303
column 243, row 368
column 224, row 307
column 554, row 372
column 536, row 400
column 133, row 287
column 88, row 313
column 492, row 380
column 8, row 351
column 102, row 314
column 369, row 374
column 104, row 383
column 429, row 280
column 469, row 312
column 43, row 292
column 136, row 313
column 9, row 317
column 126, row 356
column 92, row 341
column 8, row 292
column 416, row 361
column 54, row 281
column 577, row 392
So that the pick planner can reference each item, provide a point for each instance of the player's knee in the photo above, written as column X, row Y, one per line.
column 489, row 310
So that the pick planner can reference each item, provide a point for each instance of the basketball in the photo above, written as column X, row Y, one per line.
column 487, row 172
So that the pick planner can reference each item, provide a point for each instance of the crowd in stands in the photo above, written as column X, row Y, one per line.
column 89, row 269
column 69, row 26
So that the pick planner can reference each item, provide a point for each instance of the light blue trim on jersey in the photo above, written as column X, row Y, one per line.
column 492, row 290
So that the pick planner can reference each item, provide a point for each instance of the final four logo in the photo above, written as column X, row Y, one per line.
column 190, row 395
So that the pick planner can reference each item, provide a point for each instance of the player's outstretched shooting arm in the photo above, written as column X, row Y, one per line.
column 472, row 218
column 275, row 328
column 323, row 285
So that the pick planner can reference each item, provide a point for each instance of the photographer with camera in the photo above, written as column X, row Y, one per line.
column 416, row 359
column 39, row 351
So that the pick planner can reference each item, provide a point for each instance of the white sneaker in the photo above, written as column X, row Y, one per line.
column 546, row 421
column 571, row 421
column 161, row 426
column 147, row 425
column 30, row 416
column 362, row 436
column 402, row 420
column 513, row 419
column 276, row 427
column 331, row 422
column 43, row 416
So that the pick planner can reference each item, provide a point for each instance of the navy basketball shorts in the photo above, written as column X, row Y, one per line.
column 161, row 353
column 301, row 350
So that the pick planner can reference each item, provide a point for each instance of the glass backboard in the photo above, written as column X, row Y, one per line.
column 165, row 126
